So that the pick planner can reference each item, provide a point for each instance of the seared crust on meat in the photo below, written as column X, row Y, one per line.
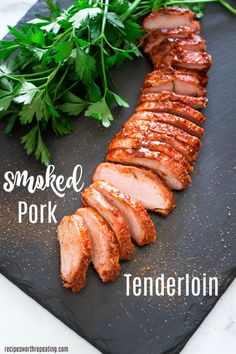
column 176, row 108
column 174, row 174
column 167, row 118
column 119, row 142
column 151, row 137
column 75, row 251
column 195, row 102
column 193, row 44
column 105, row 250
column 173, row 81
column 158, row 81
column 171, row 17
column 143, row 232
column 91, row 197
column 181, row 58
column 159, row 127
column 159, row 35
column 187, row 83
column 141, row 184
column 201, row 76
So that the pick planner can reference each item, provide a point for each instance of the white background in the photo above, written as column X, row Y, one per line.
column 24, row 322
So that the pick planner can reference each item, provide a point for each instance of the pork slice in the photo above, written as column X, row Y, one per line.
column 193, row 44
column 189, row 85
column 176, row 121
column 194, row 102
column 152, row 137
column 173, row 173
column 181, row 58
column 201, row 76
column 91, row 197
column 157, row 36
column 75, row 251
column 140, row 224
column 141, row 184
column 171, row 17
column 176, row 108
column 191, row 60
column 159, row 80
column 173, row 81
column 158, row 127
column 105, row 249
column 119, row 142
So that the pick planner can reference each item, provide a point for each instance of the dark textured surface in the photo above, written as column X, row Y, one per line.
column 198, row 237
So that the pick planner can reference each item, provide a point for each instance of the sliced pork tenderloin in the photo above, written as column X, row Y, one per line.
column 171, row 17
column 193, row 44
column 141, row 184
column 180, row 58
column 176, row 108
column 158, row 36
column 119, row 142
column 151, row 137
column 140, row 224
column 149, row 126
column 173, row 81
column 75, row 251
column 91, row 197
column 174, row 174
column 165, row 96
column 105, row 249
column 171, row 119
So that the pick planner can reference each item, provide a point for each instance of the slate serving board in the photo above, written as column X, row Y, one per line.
column 198, row 237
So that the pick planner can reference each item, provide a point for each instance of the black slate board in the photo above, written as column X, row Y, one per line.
column 198, row 237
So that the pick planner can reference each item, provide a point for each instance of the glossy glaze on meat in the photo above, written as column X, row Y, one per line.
column 180, row 58
column 173, row 81
column 171, row 17
column 167, row 97
column 159, row 35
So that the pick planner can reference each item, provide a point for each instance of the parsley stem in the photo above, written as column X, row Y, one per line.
column 68, row 89
column 35, row 74
column 60, row 82
column 117, row 49
column 38, row 79
column 131, row 10
column 60, row 36
column 102, row 46
column 228, row 6
column 222, row 2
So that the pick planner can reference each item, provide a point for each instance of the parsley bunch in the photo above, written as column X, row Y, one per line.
column 59, row 66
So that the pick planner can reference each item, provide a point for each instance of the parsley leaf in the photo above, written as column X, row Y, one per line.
column 73, row 105
column 80, row 18
column 63, row 51
column 41, row 152
column 26, row 93
column 100, row 111
column 85, row 65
